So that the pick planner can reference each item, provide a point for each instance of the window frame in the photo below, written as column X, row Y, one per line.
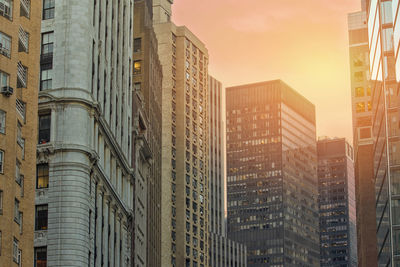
column 46, row 129
column 3, row 121
column 36, row 250
column 40, row 221
column 51, row 16
column 2, row 153
column 37, row 175
column 4, row 50
column 10, row 9
column 137, row 45
column 7, row 76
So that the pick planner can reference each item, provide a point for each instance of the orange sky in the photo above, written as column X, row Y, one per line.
column 302, row 42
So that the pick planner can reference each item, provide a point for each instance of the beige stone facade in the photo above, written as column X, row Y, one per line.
column 19, row 71
column 184, row 214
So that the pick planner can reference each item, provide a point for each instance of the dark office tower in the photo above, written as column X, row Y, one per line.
column 272, row 174
column 362, row 139
column 337, row 205
column 223, row 251
column 386, row 130
column 147, row 84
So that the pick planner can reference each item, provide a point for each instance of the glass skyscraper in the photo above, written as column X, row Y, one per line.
column 337, row 204
column 386, row 128
column 272, row 174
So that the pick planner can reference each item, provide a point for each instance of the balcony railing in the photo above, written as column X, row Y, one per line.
column 21, row 108
column 22, row 75
column 25, row 8
column 23, row 40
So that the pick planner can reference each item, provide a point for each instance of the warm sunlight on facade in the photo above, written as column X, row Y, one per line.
column 303, row 44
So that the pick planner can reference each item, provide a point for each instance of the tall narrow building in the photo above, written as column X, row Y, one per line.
column 147, row 83
column 184, row 199
column 84, row 181
column 223, row 251
column 272, row 174
column 386, row 127
column 362, row 137
column 337, row 204
column 19, row 70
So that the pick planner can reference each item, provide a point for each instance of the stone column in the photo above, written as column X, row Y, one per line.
column 118, row 238
column 99, row 229
column 124, row 252
column 105, row 229
column 112, row 229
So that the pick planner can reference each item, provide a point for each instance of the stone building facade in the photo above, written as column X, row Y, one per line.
column 184, row 198
column 85, row 183
column 19, row 69
column 147, row 83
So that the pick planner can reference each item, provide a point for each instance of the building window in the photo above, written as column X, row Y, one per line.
column 41, row 212
column 47, row 43
column 1, row 202
column 4, row 79
column 16, row 210
column 6, row 8
column 18, row 172
column 137, row 67
column 44, row 128
column 1, row 161
column 42, row 176
column 137, row 45
column 19, row 134
column 2, row 121
column 359, row 76
column 5, row 44
column 40, row 257
column 359, row 91
column 137, row 86
column 360, row 107
column 15, row 250
column 48, row 9
column 46, row 78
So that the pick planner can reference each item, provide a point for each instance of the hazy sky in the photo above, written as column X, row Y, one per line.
column 302, row 42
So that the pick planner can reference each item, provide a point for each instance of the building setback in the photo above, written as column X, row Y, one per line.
column 337, row 204
column 385, row 127
column 147, row 83
column 19, row 69
column 184, row 200
column 362, row 138
column 84, row 189
column 223, row 251
column 272, row 174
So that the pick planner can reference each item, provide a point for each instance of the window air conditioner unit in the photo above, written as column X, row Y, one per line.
column 7, row 90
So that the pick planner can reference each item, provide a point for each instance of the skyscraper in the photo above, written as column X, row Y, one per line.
column 362, row 138
column 19, row 70
column 337, row 204
column 184, row 200
column 147, row 83
column 386, row 128
column 272, row 174
column 84, row 195
column 223, row 251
